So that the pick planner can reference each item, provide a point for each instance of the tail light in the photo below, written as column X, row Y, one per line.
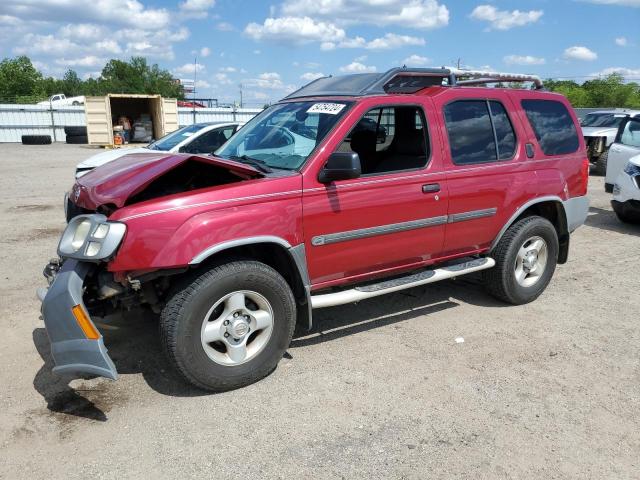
column 584, row 177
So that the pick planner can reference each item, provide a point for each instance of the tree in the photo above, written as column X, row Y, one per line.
column 136, row 76
column 19, row 78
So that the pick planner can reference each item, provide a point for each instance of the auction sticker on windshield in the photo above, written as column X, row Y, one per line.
column 328, row 108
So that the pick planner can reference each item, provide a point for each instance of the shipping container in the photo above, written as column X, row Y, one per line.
column 103, row 112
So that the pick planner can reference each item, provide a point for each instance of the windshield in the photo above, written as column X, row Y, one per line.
column 607, row 120
column 284, row 135
column 167, row 142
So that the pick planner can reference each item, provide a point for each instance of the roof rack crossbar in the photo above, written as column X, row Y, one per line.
column 479, row 77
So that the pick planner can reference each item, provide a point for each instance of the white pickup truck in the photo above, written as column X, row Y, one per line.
column 61, row 100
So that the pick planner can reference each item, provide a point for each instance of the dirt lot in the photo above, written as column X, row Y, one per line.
column 377, row 390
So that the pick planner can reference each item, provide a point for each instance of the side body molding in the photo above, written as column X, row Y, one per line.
column 297, row 254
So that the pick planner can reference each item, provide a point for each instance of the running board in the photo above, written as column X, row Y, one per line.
column 394, row 285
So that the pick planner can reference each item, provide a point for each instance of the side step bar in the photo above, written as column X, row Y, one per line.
column 389, row 286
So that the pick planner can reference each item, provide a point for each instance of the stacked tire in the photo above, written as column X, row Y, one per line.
column 76, row 135
column 36, row 139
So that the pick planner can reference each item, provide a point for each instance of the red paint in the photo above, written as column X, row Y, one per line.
column 168, row 232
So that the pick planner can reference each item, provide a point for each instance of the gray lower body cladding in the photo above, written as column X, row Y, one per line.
column 72, row 351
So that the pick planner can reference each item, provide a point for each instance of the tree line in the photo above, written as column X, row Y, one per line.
column 22, row 82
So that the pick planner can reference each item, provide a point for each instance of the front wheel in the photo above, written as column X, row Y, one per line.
column 526, row 257
column 601, row 163
column 229, row 327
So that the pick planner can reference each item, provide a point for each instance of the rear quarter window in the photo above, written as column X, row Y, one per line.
column 553, row 126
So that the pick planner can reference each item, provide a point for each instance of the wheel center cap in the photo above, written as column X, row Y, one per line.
column 238, row 328
column 530, row 260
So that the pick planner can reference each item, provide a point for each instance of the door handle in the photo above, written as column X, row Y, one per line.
column 431, row 188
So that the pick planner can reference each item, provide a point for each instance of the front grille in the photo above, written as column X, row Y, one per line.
column 595, row 145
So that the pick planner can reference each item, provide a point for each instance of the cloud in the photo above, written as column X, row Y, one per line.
column 228, row 69
column 222, row 79
column 624, row 71
column 580, row 53
column 120, row 12
column 224, row 27
column 88, row 61
column 310, row 76
column 196, row 8
column 357, row 67
column 188, row 69
column 621, row 41
column 297, row 30
column 504, row 19
column 417, row 14
column 391, row 40
column 416, row 61
column 523, row 60
column 623, row 3
column 205, row 51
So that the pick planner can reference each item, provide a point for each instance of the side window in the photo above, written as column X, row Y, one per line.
column 631, row 133
column 505, row 136
column 470, row 132
column 389, row 139
column 210, row 141
column 552, row 125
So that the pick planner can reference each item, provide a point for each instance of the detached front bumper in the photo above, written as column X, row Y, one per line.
column 77, row 347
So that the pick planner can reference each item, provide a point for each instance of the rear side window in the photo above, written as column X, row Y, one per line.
column 553, row 126
column 479, row 132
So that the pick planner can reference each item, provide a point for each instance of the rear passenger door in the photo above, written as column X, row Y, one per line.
column 482, row 154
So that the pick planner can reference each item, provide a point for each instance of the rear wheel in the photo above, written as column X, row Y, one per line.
column 526, row 258
column 601, row 163
column 229, row 327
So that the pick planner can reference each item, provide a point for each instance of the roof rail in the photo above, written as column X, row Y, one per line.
column 404, row 80
column 479, row 77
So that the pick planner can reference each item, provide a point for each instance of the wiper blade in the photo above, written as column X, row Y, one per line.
column 254, row 162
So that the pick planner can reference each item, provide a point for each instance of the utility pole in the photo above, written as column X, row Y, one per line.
column 195, row 75
column 240, row 95
column 458, row 63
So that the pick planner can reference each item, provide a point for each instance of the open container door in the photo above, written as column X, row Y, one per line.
column 169, row 115
column 98, row 120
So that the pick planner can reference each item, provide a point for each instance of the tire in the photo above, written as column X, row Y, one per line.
column 75, row 103
column 501, row 281
column 36, row 139
column 600, row 167
column 626, row 213
column 77, row 139
column 208, row 302
column 75, row 131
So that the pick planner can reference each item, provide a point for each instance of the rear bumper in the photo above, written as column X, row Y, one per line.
column 72, row 352
column 576, row 209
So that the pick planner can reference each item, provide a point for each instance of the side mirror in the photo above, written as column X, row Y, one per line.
column 340, row 166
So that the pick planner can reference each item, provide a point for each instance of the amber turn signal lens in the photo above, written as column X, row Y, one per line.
column 85, row 324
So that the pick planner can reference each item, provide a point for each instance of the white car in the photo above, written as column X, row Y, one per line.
column 599, row 130
column 61, row 100
column 625, row 146
column 626, row 192
column 197, row 138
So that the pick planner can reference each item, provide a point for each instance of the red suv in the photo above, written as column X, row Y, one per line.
column 351, row 187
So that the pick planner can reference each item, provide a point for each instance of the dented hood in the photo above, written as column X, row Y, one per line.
column 115, row 182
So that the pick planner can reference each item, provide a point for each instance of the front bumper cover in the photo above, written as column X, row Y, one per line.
column 72, row 351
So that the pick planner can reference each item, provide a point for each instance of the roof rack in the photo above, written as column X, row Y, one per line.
column 404, row 80
column 479, row 77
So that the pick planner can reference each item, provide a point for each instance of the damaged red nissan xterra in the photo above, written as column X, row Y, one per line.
column 351, row 187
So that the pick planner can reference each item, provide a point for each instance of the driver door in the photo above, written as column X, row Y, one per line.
column 627, row 145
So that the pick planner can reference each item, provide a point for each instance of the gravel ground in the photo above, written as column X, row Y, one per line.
column 377, row 390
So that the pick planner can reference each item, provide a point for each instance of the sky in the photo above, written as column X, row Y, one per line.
column 273, row 48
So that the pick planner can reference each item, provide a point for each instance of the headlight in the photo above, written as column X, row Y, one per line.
column 91, row 238
column 632, row 169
